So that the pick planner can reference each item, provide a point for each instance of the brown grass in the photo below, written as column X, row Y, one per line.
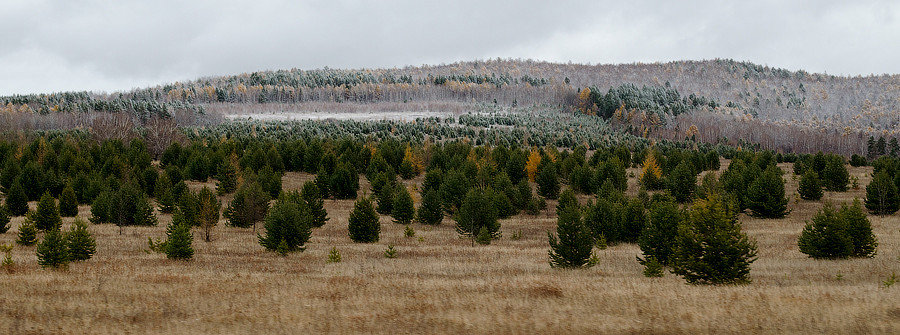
column 440, row 284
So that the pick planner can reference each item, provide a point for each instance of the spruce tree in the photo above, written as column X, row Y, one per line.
column 68, row 203
column 477, row 212
column 566, row 198
column 47, row 217
column 403, row 210
column 710, row 246
column 430, row 212
column 364, row 226
column 287, row 223
column 17, row 200
column 315, row 203
column 80, row 243
column 657, row 239
column 179, row 239
column 52, row 252
column 572, row 248
column 881, row 195
column 810, row 187
column 683, row 182
column 766, row 195
column 27, row 233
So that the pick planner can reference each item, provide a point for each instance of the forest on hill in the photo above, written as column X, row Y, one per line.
column 713, row 101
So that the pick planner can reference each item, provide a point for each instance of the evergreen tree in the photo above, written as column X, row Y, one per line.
column 634, row 218
column 68, row 203
column 179, row 239
column 604, row 219
column 228, row 179
column 210, row 208
column 548, row 183
column 430, row 212
column 385, row 198
column 4, row 220
column 709, row 186
column 710, row 246
column 403, row 209
column 102, row 208
column 248, row 207
column 27, row 233
column 143, row 213
column 683, row 182
column 315, row 204
column 270, row 181
column 81, row 245
column 189, row 206
column 364, row 226
column 433, row 179
column 52, row 251
column 477, row 212
column 766, row 195
column 835, row 174
column 344, row 182
column 810, row 187
column 572, row 249
column 826, row 236
column 453, row 191
column 657, row 239
column 881, row 195
column 566, row 198
column 288, row 223
column 17, row 200
column 503, row 205
column 47, row 215
column 859, row 229
column 167, row 201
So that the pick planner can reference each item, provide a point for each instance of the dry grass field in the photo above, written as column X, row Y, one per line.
column 441, row 284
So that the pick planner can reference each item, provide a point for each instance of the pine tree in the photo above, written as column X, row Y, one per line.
column 657, row 238
column 47, row 215
column 4, row 220
column 288, row 223
column 810, row 187
column 683, row 182
column 68, row 203
column 385, row 198
column 344, row 182
column 80, row 243
column 179, row 238
column 270, row 181
column 634, row 219
column 167, row 201
column 403, row 210
column 27, row 233
column 143, row 213
column 710, row 246
column 859, row 229
column 17, row 200
column 572, row 248
column 766, row 195
column 228, row 179
column 52, row 251
column 430, row 212
column 826, row 236
column 566, row 198
column 101, row 208
column 210, row 208
column 548, row 183
column 248, row 207
column 881, row 195
column 364, row 226
column 651, row 174
column 315, row 203
column 835, row 174
column 189, row 206
column 477, row 212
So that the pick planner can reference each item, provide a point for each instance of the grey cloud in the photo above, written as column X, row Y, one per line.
column 100, row 45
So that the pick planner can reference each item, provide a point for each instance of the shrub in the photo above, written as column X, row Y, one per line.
column 52, row 251
column 477, row 212
column 17, row 200
column 839, row 233
column 881, row 195
column 68, row 203
column 430, row 211
column 47, row 217
column 248, row 207
column 403, row 209
column 766, row 195
column 572, row 248
column 710, row 246
column 81, row 245
column 810, row 187
column 288, row 223
column 334, row 256
column 364, row 226
column 314, row 202
column 179, row 239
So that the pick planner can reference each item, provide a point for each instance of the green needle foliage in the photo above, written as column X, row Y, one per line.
column 47, row 215
column 766, row 195
column 27, row 232
column 52, row 252
column 810, row 187
column 17, row 200
column 477, row 214
column 363, row 224
column 838, row 233
column 315, row 203
column 80, row 242
column 68, row 203
column 882, row 197
column 403, row 209
column 572, row 246
column 431, row 210
column 179, row 239
column 4, row 220
column 288, row 223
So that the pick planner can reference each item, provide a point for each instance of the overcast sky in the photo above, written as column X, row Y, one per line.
column 48, row 46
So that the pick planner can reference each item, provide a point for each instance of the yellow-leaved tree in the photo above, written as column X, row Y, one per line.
column 531, row 166
column 651, row 174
